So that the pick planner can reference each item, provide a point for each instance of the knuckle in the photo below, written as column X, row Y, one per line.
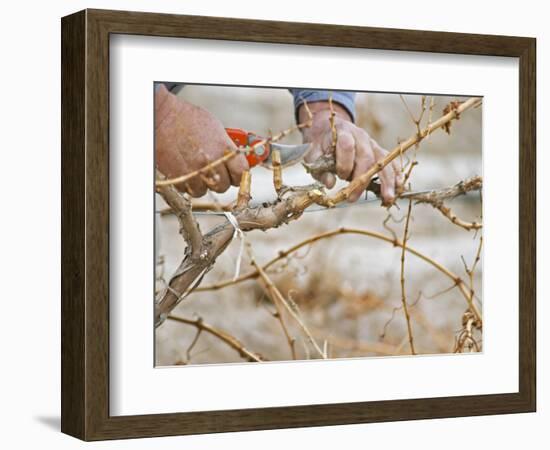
column 220, row 186
column 236, row 171
column 196, row 188
column 192, row 188
column 363, row 135
column 343, row 169
column 200, row 191
column 369, row 160
column 345, row 141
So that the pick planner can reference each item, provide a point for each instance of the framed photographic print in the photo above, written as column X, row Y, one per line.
column 271, row 224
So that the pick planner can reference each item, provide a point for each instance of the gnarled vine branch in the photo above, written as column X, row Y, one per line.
column 232, row 341
column 290, row 205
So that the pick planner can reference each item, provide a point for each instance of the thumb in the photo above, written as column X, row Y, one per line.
column 314, row 153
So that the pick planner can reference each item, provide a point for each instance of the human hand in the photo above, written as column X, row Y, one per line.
column 188, row 138
column 356, row 152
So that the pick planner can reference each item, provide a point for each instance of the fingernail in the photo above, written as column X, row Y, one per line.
column 390, row 196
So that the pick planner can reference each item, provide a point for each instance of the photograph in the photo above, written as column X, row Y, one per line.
column 292, row 224
column 314, row 224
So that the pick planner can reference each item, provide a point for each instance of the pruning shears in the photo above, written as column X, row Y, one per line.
column 258, row 153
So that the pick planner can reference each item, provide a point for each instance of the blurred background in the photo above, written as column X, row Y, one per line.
column 347, row 287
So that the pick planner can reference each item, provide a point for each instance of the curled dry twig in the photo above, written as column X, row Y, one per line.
column 279, row 299
column 457, row 281
column 437, row 199
column 279, row 314
column 403, row 290
column 465, row 340
column 232, row 341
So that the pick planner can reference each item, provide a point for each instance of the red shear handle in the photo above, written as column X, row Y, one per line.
column 243, row 138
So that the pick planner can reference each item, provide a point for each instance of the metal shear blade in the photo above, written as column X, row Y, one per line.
column 290, row 154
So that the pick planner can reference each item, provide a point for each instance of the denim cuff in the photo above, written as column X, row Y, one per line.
column 343, row 98
column 174, row 88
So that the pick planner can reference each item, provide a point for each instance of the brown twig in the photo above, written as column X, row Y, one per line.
column 189, row 228
column 190, row 231
column 411, row 115
column 471, row 271
column 448, row 213
column 403, row 290
column 344, row 193
column 277, row 297
column 417, row 123
column 430, row 112
column 458, row 282
column 408, row 173
column 192, row 263
column 201, row 207
column 192, row 345
column 329, row 164
column 318, row 237
column 437, row 195
column 277, row 170
column 264, row 217
column 232, row 341
column 437, row 198
column 207, row 168
column 465, row 339
column 460, row 188
column 278, row 314
column 448, row 193
column 393, row 312
column 393, row 219
column 244, row 190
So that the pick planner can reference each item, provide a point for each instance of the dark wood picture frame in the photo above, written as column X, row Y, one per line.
column 85, row 224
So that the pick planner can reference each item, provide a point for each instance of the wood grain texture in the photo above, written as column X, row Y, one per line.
column 85, row 224
column 73, row 272
column 527, row 224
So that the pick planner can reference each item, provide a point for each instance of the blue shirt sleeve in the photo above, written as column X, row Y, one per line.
column 343, row 98
column 174, row 88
